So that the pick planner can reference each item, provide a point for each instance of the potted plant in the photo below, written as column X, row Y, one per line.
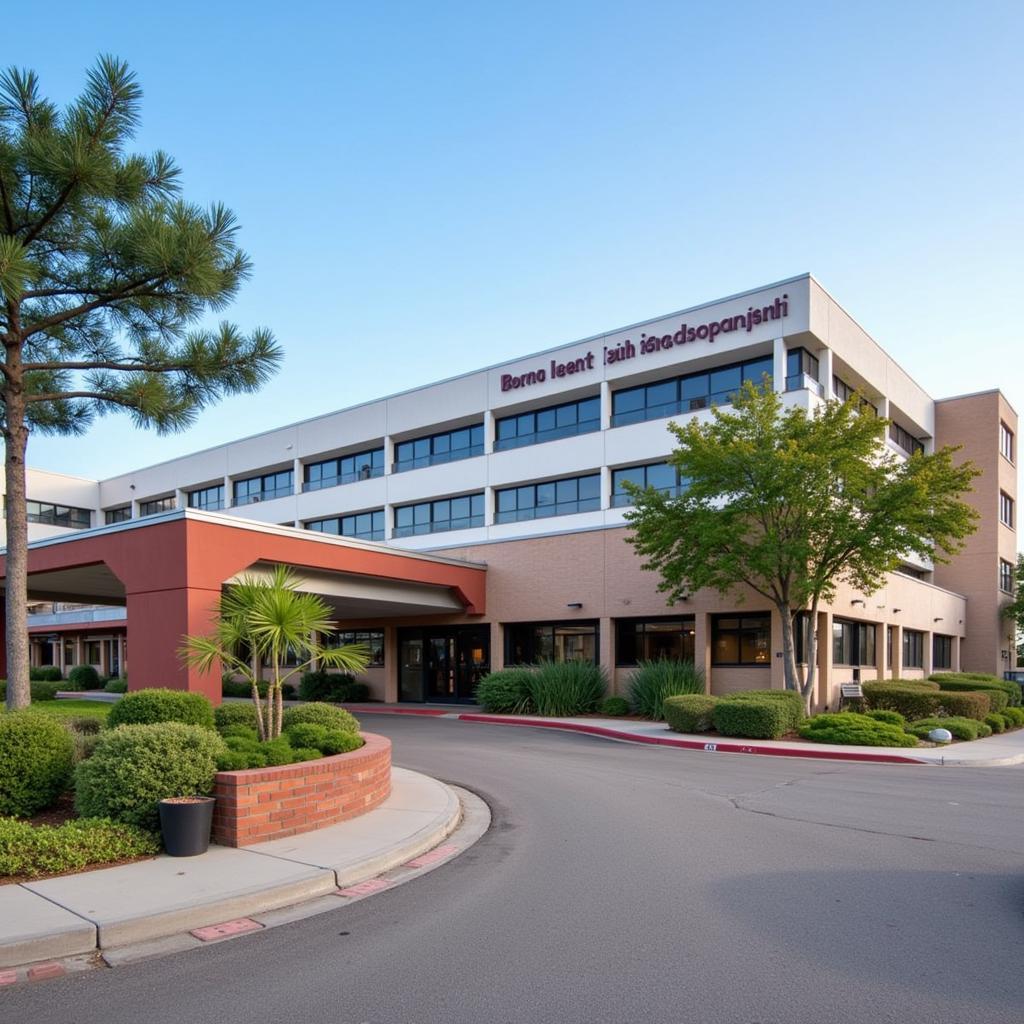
column 185, row 822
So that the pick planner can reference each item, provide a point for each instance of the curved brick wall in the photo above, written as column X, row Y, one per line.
column 268, row 803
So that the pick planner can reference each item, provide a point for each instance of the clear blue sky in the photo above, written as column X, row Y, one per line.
column 428, row 188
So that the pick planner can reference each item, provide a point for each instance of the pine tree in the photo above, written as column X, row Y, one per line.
column 106, row 275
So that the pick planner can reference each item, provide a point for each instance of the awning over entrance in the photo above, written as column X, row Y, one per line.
column 169, row 570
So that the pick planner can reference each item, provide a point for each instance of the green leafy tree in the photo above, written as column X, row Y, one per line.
column 262, row 621
column 790, row 504
column 105, row 275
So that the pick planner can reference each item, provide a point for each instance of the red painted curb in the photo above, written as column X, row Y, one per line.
column 711, row 746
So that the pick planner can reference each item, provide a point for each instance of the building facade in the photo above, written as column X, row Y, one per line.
column 521, row 467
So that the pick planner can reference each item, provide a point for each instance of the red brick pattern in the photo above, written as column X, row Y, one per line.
column 259, row 804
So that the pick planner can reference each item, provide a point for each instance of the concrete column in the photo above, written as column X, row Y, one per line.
column 104, row 658
column 497, row 647
column 488, row 505
column 296, row 476
column 606, row 647
column 822, row 697
column 228, row 496
column 389, row 455
column 180, row 498
column 928, row 653
column 391, row 664
column 825, row 372
column 702, row 646
column 896, row 668
column 779, row 364
column 606, row 405
column 489, row 430
column 606, row 487
column 880, row 666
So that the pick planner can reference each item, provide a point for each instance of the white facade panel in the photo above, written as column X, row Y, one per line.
column 568, row 456
column 460, row 477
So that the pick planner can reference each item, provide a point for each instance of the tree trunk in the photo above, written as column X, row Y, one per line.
column 19, row 694
column 812, row 656
column 788, row 648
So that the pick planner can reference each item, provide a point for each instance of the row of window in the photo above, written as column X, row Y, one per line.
column 844, row 393
column 57, row 515
column 902, row 438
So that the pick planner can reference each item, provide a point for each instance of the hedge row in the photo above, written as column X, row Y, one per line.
column 914, row 702
column 748, row 714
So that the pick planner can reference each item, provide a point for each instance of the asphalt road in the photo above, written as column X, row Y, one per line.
column 623, row 883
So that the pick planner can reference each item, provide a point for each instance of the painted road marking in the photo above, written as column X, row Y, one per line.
column 222, row 931
column 432, row 857
column 367, row 888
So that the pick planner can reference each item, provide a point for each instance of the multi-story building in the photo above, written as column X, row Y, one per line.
column 520, row 468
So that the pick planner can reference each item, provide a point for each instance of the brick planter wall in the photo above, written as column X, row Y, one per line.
column 268, row 803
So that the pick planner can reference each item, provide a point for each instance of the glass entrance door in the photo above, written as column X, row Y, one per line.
column 442, row 664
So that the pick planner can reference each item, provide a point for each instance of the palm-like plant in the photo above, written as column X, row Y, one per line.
column 263, row 621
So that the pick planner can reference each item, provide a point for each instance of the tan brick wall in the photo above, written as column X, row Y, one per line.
column 269, row 803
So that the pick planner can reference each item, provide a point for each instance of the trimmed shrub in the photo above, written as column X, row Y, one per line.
column 305, row 754
column 995, row 722
column 961, row 728
column 915, row 702
column 145, row 707
column 914, row 684
column 116, row 686
column 337, row 741
column 855, row 730
column 306, row 734
column 566, row 687
column 1015, row 716
column 998, row 696
column 613, row 707
column 751, row 719
column 889, row 717
column 83, row 677
column 791, row 701
column 506, row 692
column 239, row 731
column 690, row 712
column 32, row 850
column 45, row 674
column 654, row 681
column 329, row 686
column 37, row 691
column 320, row 714
column 235, row 714
column 36, row 760
column 135, row 766
column 1011, row 689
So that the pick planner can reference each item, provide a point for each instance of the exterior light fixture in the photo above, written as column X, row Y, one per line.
column 574, row 604
column 938, row 618
column 860, row 601
column 896, row 611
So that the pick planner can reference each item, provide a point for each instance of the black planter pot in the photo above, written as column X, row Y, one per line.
column 186, row 825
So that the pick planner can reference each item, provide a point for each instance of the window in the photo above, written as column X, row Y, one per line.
column 437, row 448
column 741, row 640
column 844, row 393
column 57, row 515
column 942, row 651
column 157, row 505
column 661, row 477
column 913, row 648
column 1006, row 442
column 440, row 516
column 209, row 498
column 802, row 371
column 91, row 652
column 554, row 498
column 263, row 488
column 652, row 639
column 1005, row 576
column 344, row 470
column 1006, row 510
column 530, row 642
column 362, row 525
column 904, row 439
column 685, row 394
column 117, row 515
column 566, row 420
column 853, row 643
column 373, row 638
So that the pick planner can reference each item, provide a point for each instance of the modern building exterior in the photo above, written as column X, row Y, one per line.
column 517, row 472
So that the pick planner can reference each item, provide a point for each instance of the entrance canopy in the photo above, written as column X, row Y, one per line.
column 169, row 571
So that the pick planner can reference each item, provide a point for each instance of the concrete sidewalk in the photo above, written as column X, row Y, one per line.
column 995, row 751
column 147, row 900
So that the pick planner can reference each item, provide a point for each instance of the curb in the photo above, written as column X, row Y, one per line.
column 715, row 746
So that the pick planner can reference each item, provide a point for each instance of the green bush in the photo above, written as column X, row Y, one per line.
column 613, row 707
column 506, row 692
column 85, row 734
column 996, row 722
column 916, row 702
column 1012, row 690
column 45, row 674
column 1015, row 716
column 36, row 760
column 853, row 729
column 116, row 686
column 690, row 712
column 327, row 686
column 792, row 703
column 83, row 677
column 338, row 741
column 320, row 714
column 306, row 734
column 889, row 717
column 235, row 714
column 145, row 707
column 961, row 728
column 566, row 687
column 32, row 850
column 999, row 696
column 914, row 684
column 240, row 731
column 654, row 681
column 136, row 766
column 37, row 691
column 229, row 688
column 752, row 719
